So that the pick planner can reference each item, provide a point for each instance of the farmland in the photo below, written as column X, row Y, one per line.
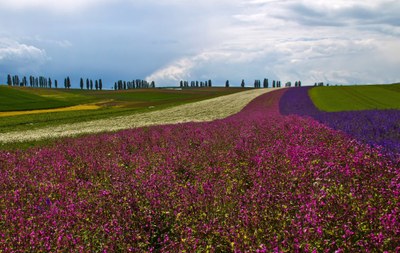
column 350, row 98
column 379, row 128
column 205, row 110
column 274, row 177
column 109, row 103
column 12, row 99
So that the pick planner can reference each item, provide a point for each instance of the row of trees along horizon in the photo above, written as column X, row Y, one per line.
column 265, row 84
column 89, row 84
column 257, row 84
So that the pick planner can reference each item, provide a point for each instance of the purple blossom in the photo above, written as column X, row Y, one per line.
column 379, row 128
column 254, row 182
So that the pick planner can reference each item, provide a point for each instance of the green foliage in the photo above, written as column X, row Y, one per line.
column 351, row 98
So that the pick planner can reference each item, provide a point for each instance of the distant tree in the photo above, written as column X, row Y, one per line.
column 115, row 86
column 49, row 82
column 153, row 84
column 227, row 84
column 242, row 84
column 31, row 80
column 96, row 85
column 100, row 84
column 265, row 84
column 67, row 82
column 56, row 84
column 209, row 83
column 91, row 84
column 87, row 84
column 24, row 81
column 15, row 80
column 9, row 80
column 299, row 83
column 81, row 83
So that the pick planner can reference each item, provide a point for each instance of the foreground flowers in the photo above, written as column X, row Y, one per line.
column 256, row 181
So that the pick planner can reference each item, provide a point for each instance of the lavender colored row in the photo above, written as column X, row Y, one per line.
column 254, row 182
column 374, row 127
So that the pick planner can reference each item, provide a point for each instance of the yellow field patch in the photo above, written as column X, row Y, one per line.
column 64, row 109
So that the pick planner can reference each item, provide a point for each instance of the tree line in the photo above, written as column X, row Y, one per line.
column 257, row 84
column 195, row 84
column 134, row 84
column 89, row 84
column 37, row 82
column 265, row 84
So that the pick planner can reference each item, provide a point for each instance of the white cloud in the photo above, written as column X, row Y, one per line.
column 61, row 6
column 292, row 40
column 178, row 70
column 313, row 40
column 21, row 57
column 78, row 5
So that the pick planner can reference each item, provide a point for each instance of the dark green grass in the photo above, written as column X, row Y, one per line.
column 353, row 98
column 14, row 99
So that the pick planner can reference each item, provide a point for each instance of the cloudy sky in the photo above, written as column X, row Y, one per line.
column 335, row 41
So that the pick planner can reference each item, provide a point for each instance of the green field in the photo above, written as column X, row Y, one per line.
column 351, row 98
column 112, row 103
column 16, row 99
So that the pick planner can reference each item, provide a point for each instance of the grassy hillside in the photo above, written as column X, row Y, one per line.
column 350, row 98
column 16, row 99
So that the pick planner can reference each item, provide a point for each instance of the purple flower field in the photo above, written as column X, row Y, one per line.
column 379, row 128
column 254, row 182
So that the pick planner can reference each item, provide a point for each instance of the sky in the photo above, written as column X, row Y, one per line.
column 331, row 41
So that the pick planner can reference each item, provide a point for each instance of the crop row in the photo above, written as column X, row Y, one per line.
column 256, row 181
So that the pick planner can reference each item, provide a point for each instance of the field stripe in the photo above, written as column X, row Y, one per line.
column 206, row 110
column 64, row 109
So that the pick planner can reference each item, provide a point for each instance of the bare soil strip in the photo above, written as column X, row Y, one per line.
column 206, row 110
